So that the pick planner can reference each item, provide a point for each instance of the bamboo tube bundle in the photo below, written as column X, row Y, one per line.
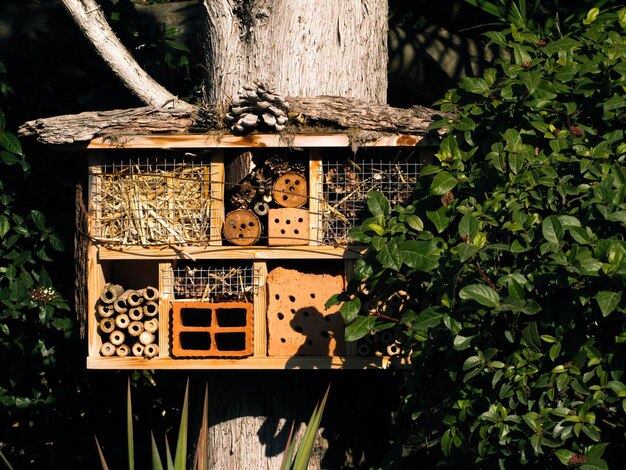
column 151, row 202
column 122, row 321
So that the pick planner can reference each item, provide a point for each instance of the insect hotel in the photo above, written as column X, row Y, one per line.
column 220, row 249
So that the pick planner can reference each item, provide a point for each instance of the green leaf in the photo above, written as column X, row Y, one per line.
column 439, row 218
column 482, row 294
column 350, row 309
column 468, row 227
column 378, row 204
column 420, row 255
column 10, row 143
column 157, row 464
column 426, row 319
column 564, row 456
column 38, row 219
column 591, row 16
column 607, row 301
column 471, row 362
column 303, row 454
column 466, row 251
column 389, row 256
column 594, row 464
column 552, row 229
column 180, row 458
column 415, row 223
column 531, row 335
column 461, row 342
column 360, row 327
column 478, row 86
column 443, row 183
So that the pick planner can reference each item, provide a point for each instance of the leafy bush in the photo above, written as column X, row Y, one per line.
column 31, row 311
column 510, row 263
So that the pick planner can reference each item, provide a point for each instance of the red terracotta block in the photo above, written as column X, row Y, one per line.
column 298, row 323
column 204, row 329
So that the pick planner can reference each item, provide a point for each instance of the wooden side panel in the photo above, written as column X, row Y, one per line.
column 260, row 309
column 217, row 198
column 165, row 297
column 95, row 284
column 315, row 195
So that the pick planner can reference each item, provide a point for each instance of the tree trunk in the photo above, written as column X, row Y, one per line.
column 301, row 47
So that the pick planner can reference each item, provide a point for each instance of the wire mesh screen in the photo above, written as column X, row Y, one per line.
column 346, row 182
column 214, row 283
column 149, row 201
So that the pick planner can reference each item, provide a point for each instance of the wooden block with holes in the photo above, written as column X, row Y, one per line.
column 204, row 329
column 287, row 227
column 298, row 323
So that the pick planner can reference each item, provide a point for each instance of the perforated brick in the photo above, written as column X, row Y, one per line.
column 298, row 323
column 288, row 227
column 203, row 329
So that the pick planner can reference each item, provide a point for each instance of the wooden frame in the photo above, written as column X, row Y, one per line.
column 101, row 256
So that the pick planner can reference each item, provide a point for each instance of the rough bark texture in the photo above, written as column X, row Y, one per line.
column 77, row 128
column 92, row 22
column 328, row 110
column 302, row 47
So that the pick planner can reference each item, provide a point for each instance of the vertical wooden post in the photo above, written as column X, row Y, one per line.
column 315, row 196
column 260, row 309
column 166, row 295
column 217, row 198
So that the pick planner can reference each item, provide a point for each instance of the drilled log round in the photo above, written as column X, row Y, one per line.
column 151, row 350
column 151, row 325
column 135, row 328
column 107, row 349
column 242, row 227
column 122, row 350
column 134, row 298
column 146, row 338
column 117, row 337
column 135, row 313
column 138, row 349
column 364, row 349
column 105, row 310
column 107, row 325
column 122, row 321
column 150, row 293
column 110, row 293
column 290, row 190
column 150, row 309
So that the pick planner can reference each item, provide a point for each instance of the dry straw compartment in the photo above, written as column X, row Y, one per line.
column 150, row 200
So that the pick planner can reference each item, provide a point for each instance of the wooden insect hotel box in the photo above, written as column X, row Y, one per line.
column 218, row 251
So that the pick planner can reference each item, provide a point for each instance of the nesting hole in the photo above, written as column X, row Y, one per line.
column 231, row 316
column 230, row 341
column 196, row 316
column 198, row 340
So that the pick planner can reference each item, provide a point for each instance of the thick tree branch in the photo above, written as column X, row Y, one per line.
column 92, row 22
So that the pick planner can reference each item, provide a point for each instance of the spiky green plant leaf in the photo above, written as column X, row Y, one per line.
column 157, row 464
column 180, row 459
column 303, row 454
column 129, row 430
column 103, row 462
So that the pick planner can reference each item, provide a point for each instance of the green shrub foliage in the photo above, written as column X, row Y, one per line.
column 32, row 317
column 511, row 260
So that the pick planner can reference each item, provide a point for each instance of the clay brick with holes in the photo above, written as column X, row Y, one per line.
column 204, row 329
column 288, row 227
column 298, row 323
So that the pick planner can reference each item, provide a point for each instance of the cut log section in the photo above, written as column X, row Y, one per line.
column 290, row 190
column 242, row 227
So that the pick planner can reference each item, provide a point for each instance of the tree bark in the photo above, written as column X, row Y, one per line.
column 92, row 22
column 301, row 47
column 342, row 113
